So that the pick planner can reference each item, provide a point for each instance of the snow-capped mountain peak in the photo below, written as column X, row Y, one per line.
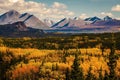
column 76, row 18
column 107, row 18
column 95, row 18
column 9, row 17
column 12, row 13
column 48, row 22
column 13, row 16
column 69, row 23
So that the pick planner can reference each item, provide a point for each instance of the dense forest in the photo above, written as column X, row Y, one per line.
column 72, row 57
column 62, row 41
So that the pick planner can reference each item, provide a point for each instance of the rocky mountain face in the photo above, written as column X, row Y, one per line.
column 48, row 22
column 91, row 24
column 19, row 29
column 9, row 17
column 107, row 18
column 30, row 20
column 109, row 22
column 69, row 23
column 92, row 19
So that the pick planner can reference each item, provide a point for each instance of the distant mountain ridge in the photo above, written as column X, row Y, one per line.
column 109, row 22
column 30, row 20
column 92, row 24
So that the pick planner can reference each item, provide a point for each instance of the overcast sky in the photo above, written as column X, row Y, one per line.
column 58, row 9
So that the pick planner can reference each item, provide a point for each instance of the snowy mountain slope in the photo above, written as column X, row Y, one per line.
column 30, row 20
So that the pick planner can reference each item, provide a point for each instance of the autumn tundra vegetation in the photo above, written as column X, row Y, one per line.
column 73, row 57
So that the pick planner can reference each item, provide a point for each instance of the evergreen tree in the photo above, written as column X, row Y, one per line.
column 86, row 42
column 100, row 74
column 57, row 67
column 65, row 54
column 67, row 74
column 102, row 47
column 112, row 59
column 76, row 72
column 106, row 77
column 53, row 67
column 90, row 76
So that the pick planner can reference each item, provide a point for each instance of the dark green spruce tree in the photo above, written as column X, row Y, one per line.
column 112, row 59
column 106, row 76
column 90, row 76
column 102, row 47
column 76, row 72
column 100, row 74
column 67, row 74
column 65, row 54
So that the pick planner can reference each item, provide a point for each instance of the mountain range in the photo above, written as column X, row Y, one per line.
column 29, row 23
column 92, row 24
column 13, row 16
